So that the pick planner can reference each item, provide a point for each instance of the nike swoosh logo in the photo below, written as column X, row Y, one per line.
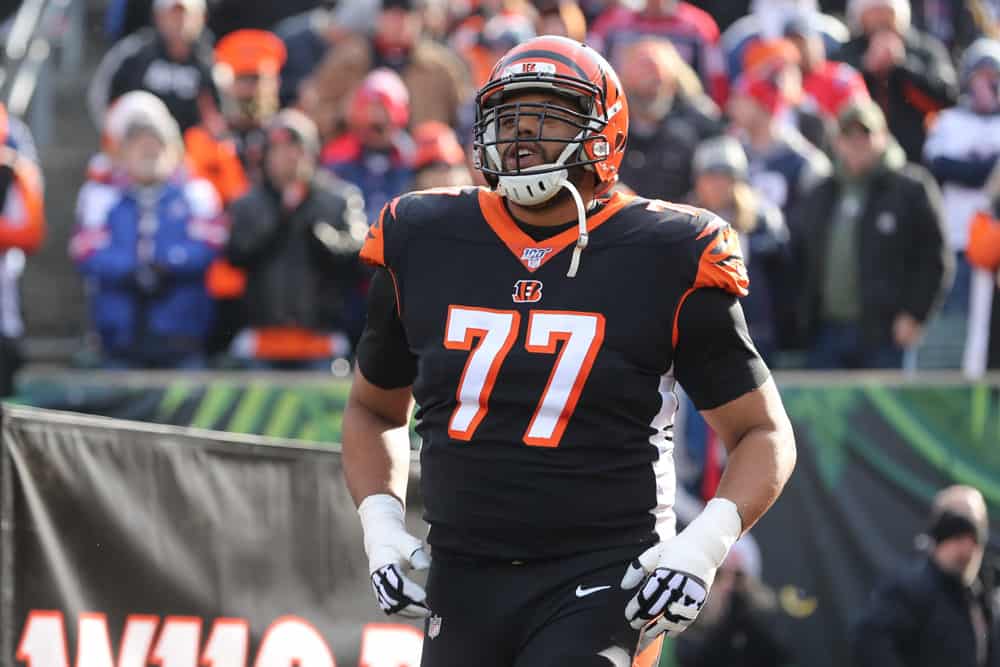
column 582, row 592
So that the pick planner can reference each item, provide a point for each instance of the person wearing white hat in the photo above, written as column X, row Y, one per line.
column 143, row 242
column 172, row 60
column 962, row 149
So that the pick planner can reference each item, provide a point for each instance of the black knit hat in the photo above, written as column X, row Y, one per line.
column 948, row 525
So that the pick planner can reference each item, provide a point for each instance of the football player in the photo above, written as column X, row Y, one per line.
column 541, row 326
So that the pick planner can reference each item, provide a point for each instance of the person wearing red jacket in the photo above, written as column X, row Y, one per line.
column 22, row 230
column 828, row 85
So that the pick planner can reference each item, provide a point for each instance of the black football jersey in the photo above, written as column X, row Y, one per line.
column 546, row 402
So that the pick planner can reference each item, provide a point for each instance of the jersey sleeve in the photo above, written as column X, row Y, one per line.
column 383, row 354
column 715, row 360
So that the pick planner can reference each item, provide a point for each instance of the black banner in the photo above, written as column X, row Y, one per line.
column 870, row 460
column 125, row 544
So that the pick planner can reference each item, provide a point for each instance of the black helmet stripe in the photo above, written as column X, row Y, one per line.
column 552, row 55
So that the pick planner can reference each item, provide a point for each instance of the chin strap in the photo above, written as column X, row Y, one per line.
column 583, row 238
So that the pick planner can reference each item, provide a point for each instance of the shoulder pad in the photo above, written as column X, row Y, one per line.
column 387, row 234
column 720, row 259
column 712, row 245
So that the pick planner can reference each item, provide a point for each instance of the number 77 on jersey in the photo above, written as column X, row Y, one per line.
column 581, row 335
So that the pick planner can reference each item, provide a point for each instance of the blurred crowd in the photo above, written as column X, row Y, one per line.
column 247, row 145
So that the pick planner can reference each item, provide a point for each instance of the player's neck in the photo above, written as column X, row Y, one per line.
column 558, row 213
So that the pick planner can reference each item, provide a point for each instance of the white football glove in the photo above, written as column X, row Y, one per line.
column 390, row 550
column 676, row 574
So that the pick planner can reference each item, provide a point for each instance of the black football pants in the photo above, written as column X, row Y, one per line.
column 551, row 613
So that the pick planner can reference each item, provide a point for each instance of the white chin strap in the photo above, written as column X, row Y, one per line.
column 582, row 238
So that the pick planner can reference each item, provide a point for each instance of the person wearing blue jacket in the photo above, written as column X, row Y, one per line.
column 143, row 244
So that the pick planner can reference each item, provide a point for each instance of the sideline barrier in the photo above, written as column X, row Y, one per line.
column 126, row 543
column 872, row 452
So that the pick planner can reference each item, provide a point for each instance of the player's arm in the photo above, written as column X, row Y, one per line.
column 731, row 386
column 376, row 451
column 717, row 364
column 376, row 439
column 758, row 436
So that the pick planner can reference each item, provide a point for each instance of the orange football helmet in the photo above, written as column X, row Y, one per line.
column 569, row 69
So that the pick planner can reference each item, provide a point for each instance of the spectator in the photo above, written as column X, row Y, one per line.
column 725, row 12
column 172, row 61
column 440, row 161
column 376, row 153
column 954, row 23
column 297, row 235
column 721, row 186
column 872, row 248
column 561, row 17
column 767, row 20
column 935, row 612
column 229, row 153
column 468, row 18
column 777, row 60
column 435, row 77
column 961, row 150
column 228, row 16
column 737, row 626
column 668, row 117
column 692, row 31
column 22, row 229
column 828, row 86
column 103, row 170
column 499, row 34
column 783, row 164
column 143, row 245
column 16, row 135
column 907, row 72
column 310, row 35
column 124, row 17
column 982, row 345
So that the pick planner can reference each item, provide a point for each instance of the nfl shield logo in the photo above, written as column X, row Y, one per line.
column 433, row 626
column 532, row 257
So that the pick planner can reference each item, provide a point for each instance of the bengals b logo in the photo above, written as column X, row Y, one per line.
column 527, row 291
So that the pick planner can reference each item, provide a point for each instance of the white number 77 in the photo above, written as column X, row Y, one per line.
column 496, row 330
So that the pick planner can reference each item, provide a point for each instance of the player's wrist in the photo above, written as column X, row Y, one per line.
column 381, row 505
column 383, row 522
column 381, row 513
column 714, row 531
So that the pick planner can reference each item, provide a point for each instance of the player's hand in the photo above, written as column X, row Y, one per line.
column 670, row 597
column 673, row 577
column 391, row 550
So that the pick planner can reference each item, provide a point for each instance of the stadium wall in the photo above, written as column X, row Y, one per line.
column 112, row 519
